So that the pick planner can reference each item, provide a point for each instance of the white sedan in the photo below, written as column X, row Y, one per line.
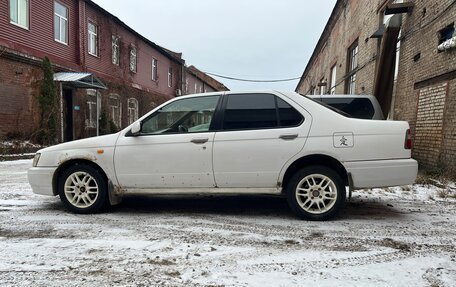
column 264, row 142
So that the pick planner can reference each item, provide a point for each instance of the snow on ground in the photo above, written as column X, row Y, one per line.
column 403, row 236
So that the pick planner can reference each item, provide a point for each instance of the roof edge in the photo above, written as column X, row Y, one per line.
column 169, row 55
column 323, row 37
column 205, row 77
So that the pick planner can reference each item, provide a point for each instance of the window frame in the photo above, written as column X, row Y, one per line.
column 91, row 34
column 154, row 74
column 352, row 68
column 27, row 26
column 115, row 47
column 136, row 110
column 322, row 90
column 333, row 80
column 170, row 77
column 135, row 56
column 67, row 32
column 115, row 110
column 92, row 123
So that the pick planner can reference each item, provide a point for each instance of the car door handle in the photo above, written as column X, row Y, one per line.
column 288, row 137
column 200, row 140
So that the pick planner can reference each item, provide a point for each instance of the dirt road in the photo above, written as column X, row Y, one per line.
column 393, row 237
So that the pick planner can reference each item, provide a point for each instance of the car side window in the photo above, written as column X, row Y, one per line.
column 258, row 111
column 250, row 111
column 191, row 115
column 289, row 117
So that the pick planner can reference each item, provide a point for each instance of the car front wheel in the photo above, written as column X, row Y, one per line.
column 82, row 189
column 316, row 193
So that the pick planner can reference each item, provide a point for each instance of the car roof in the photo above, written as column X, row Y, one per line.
column 230, row 93
column 341, row 96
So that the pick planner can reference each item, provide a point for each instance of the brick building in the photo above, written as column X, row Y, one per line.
column 102, row 66
column 404, row 53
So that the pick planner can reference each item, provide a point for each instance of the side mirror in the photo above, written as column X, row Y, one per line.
column 136, row 128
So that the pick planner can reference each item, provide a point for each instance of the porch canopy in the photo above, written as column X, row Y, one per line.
column 79, row 80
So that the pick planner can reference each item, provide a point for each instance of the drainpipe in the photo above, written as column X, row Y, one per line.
column 62, row 134
column 98, row 112
column 183, row 78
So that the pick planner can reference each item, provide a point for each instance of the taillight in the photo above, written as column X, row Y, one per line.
column 408, row 140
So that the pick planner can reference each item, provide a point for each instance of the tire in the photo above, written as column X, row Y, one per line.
column 316, row 193
column 83, row 189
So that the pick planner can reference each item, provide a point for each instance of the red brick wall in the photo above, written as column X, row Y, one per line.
column 21, row 51
column 19, row 89
column 192, row 80
column 38, row 40
column 146, row 102
column 103, row 66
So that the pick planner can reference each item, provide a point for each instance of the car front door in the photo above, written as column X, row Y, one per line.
column 173, row 149
column 259, row 134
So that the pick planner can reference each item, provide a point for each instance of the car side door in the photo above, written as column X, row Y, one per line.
column 258, row 134
column 173, row 149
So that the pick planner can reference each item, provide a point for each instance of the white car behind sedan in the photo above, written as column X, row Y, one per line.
column 231, row 142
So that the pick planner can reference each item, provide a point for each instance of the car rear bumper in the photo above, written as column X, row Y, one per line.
column 382, row 173
column 40, row 178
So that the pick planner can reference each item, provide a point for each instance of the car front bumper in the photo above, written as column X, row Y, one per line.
column 40, row 178
column 382, row 173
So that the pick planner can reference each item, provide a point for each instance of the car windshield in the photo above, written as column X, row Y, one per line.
column 329, row 107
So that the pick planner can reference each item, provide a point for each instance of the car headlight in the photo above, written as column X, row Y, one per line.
column 36, row 159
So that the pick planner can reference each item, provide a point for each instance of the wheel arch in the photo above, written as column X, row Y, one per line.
column 312, row 160
column 62, row 167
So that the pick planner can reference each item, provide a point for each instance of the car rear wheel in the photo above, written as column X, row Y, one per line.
column 316, row 193
column 82, row 189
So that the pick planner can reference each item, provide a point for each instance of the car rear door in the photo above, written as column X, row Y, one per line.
column 258, row 134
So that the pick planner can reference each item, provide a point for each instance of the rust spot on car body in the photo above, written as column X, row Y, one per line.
column 65, row 157
column 115, row 193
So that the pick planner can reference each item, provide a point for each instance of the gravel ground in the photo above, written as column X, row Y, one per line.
column 386, row 237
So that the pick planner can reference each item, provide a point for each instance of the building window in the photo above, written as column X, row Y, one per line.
column 132, row 110
column 446, row 33
column 447, row 38
column 133, row 60
column 313, row 90
column 186, row 86
column 154, row 69
column 201, row 89
column 170, row 77
column 115, row 50
column 60, row 23
column 196, row 88
column 93, row 39
column 350, row 87
column 115, row 109
column 19, row 13
column 91, row 117
column 322, row 86
column 333, row 83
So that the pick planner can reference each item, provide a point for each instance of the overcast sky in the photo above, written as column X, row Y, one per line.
column 253, row 39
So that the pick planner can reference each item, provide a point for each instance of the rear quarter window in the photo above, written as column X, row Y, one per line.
column 360, row 108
